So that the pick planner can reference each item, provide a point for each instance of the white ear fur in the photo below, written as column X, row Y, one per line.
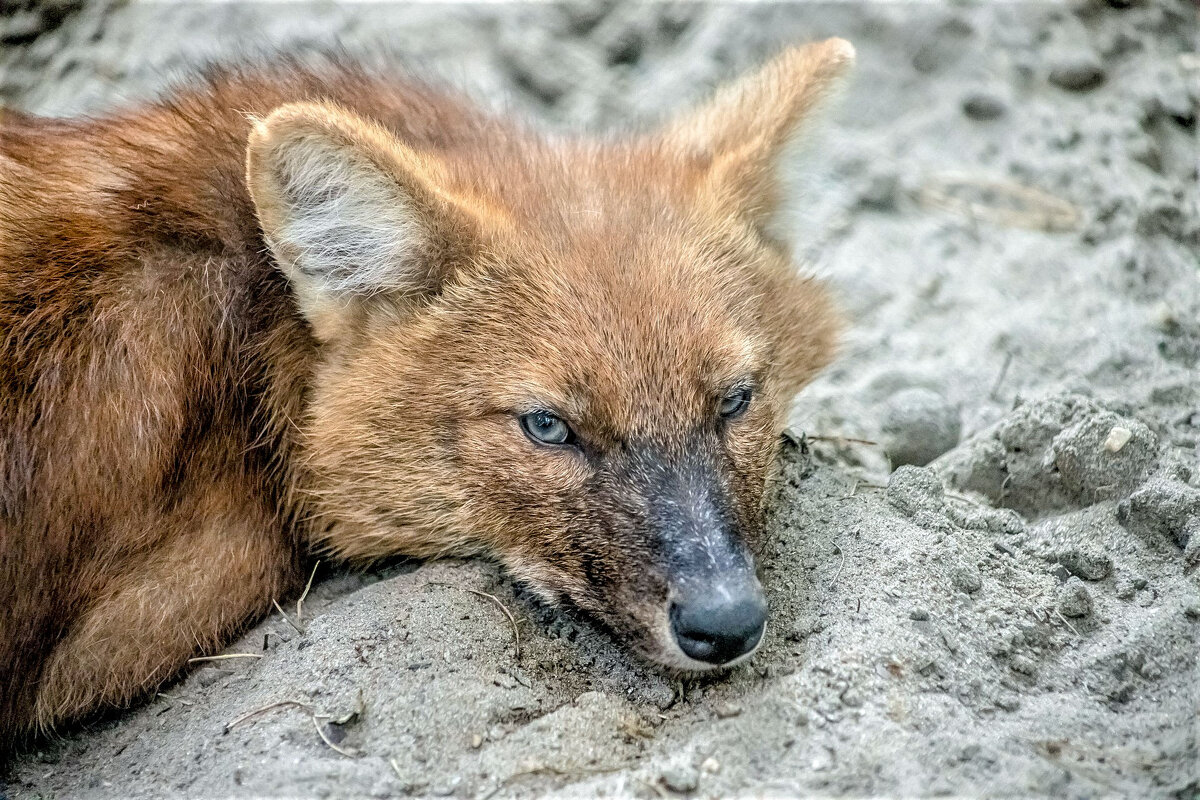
column 348, row 226
column 345, row 208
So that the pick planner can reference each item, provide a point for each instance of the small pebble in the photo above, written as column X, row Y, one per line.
column 1118, row 437
column 915, row 489
column 710, row 765
column 1162, row 508
column 1080, row 73
column 680, row 780
column 1008, row 703
column 966, row 578
column 1023, row 665
column 476, row 741
column 1087, row 563
column 983, row 106
column 1074, row 600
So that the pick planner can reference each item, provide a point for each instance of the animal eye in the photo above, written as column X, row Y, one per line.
column 545, row 428
column 735, row 403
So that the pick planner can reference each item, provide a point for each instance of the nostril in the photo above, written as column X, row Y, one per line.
column 718, row 630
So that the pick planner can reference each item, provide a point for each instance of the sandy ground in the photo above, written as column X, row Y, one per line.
column 1006, row 200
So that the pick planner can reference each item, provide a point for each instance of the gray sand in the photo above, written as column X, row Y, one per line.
column 1006, row 199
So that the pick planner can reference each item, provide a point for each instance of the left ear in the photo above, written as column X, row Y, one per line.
column 348, row 210
column 739, row 136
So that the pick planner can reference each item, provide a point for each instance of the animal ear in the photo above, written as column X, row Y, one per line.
column 349, row 211
column 739, row 136
column 803, row 320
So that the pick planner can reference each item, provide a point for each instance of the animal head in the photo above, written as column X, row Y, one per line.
column 573, row 355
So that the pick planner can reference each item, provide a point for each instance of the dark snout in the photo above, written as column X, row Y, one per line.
column 697, row 526
column 722, row 623
column 716, row 607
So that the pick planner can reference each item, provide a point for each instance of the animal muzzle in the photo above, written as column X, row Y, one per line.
column 716, row 606
column 720, row 623
column 715, row 611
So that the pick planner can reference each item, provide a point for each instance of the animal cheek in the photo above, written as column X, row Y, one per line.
column 501, row 462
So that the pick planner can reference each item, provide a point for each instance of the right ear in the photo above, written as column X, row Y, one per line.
column 741, row 134
column 350, row 211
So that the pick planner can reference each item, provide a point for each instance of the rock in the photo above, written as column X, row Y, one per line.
column 1074, row 600
column 918, row 426
column 1049, row 456
column 946, row 44
column 1078, row 73
column 965, row 578
column 1086, row 563
column 1118, row 437
column 1163, row 507
column 993, row 520
column 1094, row 471
column 915, row 489
column 919, row 614
column 1008, row 702
column 1023, row 665
column 983, row 106
column 680, row 780
column 1191, row 547
column 1126, row 586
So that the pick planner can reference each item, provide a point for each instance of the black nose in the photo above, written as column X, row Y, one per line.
column 720, row 627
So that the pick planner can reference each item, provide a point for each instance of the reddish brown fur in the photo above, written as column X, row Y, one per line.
column 178, row 424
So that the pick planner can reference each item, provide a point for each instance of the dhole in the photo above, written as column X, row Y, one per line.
column 305, row 310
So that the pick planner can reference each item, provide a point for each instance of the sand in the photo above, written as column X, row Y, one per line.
column 1002, row 597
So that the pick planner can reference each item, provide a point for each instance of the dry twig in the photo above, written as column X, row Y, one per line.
column 512, row 619
column 249, row 715
column 286, row 618
column 223, row 657
column 843, row 440
column 841, row 564
column 316, row 721
column 307, row 587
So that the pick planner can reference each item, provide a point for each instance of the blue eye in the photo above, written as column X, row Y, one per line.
column 735, row 403
column 545, row 428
